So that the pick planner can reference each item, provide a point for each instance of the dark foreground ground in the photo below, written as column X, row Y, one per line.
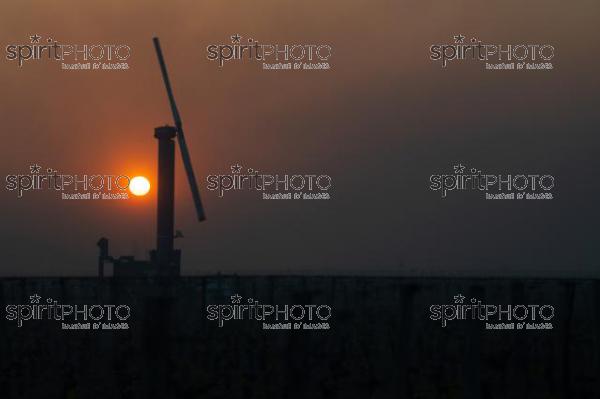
column 381, row 343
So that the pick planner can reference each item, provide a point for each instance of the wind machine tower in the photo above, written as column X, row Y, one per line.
column 165, row 259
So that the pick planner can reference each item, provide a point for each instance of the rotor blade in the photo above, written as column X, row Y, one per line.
column 185, row 155
column 187, row 163
column 163, row 69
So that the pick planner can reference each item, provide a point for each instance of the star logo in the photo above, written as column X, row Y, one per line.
column 35, row 168
column 460, row 168
column 459, row 39
column 459, row 298
column 236, row 168
column 235, row 38
column 35, row 298
column 236, row 298
column 35, row 38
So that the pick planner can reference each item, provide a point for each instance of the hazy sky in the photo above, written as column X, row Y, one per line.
column 380, row 122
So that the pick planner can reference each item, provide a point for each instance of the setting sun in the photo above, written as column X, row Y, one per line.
column 139, row 186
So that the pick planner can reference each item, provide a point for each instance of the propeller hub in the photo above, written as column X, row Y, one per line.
column 165, row 132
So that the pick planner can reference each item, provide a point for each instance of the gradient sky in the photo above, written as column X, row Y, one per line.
column 380, row 123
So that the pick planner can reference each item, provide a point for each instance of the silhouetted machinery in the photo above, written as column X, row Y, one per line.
column 164, row 260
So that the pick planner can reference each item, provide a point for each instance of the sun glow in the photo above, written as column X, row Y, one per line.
column 139, row 186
